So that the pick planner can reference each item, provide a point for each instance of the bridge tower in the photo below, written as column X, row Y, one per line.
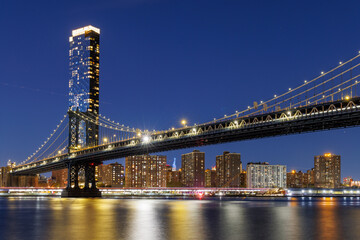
column 83, row 101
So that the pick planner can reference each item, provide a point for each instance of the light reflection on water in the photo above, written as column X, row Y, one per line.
column 56, row 218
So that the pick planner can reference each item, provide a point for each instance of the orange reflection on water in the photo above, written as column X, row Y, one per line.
column 81, row 219
column 328, row 225
column 186, row 220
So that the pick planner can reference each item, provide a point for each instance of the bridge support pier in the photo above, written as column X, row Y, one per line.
column 73, row 188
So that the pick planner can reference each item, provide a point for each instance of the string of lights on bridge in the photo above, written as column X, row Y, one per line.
column 306, row 83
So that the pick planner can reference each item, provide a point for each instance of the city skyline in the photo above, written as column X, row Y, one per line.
column 293, row 151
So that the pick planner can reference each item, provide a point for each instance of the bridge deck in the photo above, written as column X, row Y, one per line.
column 324, row 116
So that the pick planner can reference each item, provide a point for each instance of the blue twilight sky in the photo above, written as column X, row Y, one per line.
column 162, row 61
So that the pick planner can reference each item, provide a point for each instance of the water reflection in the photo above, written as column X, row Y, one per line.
column 328, row 224
column 55, row 218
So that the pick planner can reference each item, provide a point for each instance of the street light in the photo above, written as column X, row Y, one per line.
column 105, row 140
column 183, row 122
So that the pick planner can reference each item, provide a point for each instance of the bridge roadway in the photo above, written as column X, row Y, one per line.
column 317, row 117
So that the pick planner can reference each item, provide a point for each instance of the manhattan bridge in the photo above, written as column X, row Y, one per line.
column 84, row 138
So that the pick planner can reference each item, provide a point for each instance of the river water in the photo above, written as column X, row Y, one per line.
column 56, row 218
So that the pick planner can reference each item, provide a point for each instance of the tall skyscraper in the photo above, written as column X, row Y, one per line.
column 264, row 175
column 193, row 169
column 84, row 86
column 327, row 171
column 145, row 171
column 228, row 169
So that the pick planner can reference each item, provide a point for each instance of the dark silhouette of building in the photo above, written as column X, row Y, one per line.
column 243, row 183
column 173, row 178
column 228, row 169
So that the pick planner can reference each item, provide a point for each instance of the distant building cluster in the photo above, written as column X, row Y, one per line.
column 152, row 171
column 9, row 180
column 325, row 174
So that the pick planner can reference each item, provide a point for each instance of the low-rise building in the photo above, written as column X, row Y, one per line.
column 264, row 175
column 210, row 177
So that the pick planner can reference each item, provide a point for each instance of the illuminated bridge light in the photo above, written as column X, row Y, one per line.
column 146, row 139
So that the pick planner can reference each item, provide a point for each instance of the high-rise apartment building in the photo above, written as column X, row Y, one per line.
column 193, row 169
column 84, row 86
column 228, row 169
column 264, row 175
column 143, row 171
column 111, row 175
column 327, row 171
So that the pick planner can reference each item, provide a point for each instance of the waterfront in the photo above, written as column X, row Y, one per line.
column 295, row 218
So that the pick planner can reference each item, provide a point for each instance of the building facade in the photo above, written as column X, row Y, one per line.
column 59, row 177
column 243, row 179
column 347, row 181
column 193, row 169
column 264, row 175
column 299, row 179
column 84, row 86
column 111, row 175
column 144, row 171
column 210, row 177
column 327, row 170
column 9, row 180
column 228, row 170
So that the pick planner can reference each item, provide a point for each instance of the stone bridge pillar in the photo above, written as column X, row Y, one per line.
column 73, row 188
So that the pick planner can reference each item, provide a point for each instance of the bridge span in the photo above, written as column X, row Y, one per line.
column 310, row 118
